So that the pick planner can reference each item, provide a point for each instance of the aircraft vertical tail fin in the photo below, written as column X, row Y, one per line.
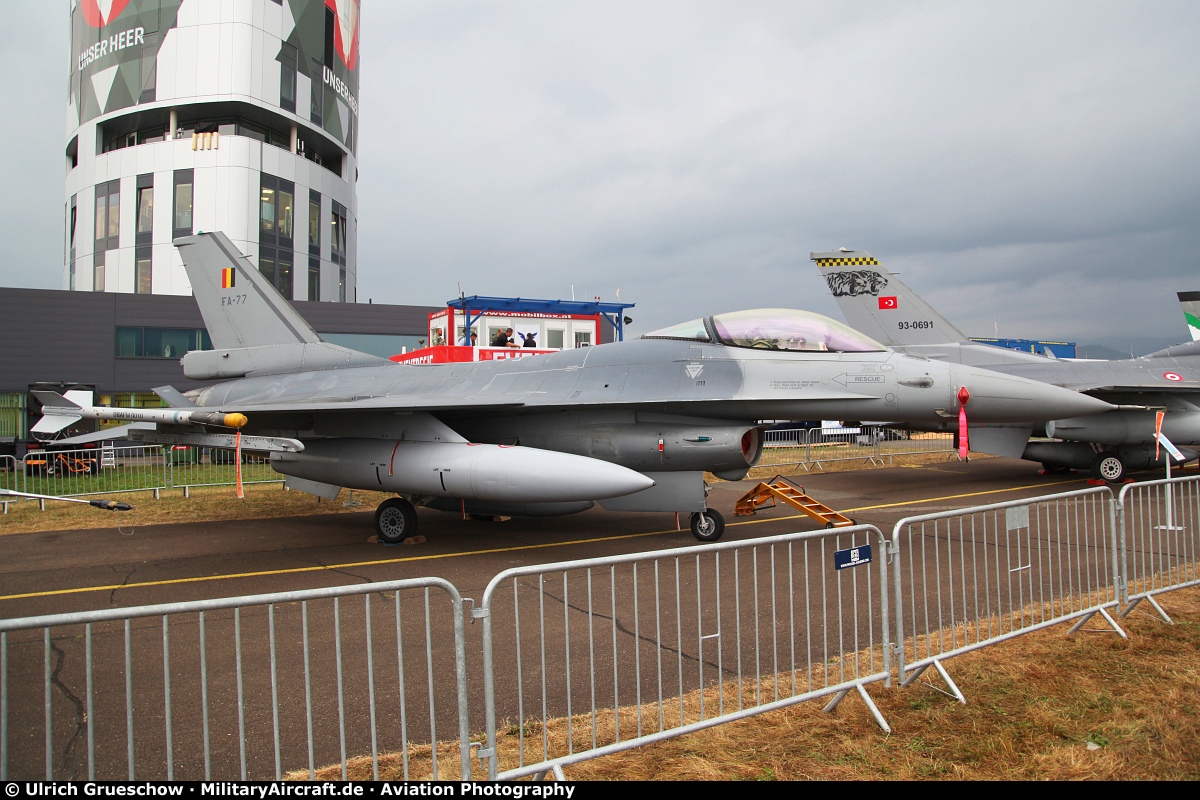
column 240, row 307
column 254, row 329
column 1190, row 302
column 879, row 304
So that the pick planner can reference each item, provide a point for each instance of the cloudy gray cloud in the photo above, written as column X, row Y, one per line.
column 1029, row 167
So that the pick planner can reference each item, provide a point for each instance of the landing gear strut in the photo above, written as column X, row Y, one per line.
column 708, row 525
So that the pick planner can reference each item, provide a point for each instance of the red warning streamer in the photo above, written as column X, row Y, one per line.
column 963, row 397
column 1158, row 419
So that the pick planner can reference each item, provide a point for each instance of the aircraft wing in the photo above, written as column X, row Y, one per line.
column 1102, row 378
column 406, row 403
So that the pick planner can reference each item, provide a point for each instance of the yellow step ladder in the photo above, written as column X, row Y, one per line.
column 780, row 488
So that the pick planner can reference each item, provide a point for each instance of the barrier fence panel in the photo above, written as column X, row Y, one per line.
column 843, row 444
column 964, row 579
column 245, row 688
column 806, row 447
column 809, row 447
column 586, row 658
column 209, row 466
column 1159, row 523
column 10, row 476
column 105, row 470
column 783, row 447
column 904, row 443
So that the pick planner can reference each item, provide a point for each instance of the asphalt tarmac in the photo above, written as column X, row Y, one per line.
column 121, row 567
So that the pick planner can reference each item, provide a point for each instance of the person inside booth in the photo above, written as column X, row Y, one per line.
column 504, row 338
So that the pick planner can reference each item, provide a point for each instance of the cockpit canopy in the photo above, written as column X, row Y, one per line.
column 772, row 329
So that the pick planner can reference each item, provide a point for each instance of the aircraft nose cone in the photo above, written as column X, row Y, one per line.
column 1007, row 398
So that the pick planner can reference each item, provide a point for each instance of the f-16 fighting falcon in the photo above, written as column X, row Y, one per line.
column 632, row 425
column 875, row 300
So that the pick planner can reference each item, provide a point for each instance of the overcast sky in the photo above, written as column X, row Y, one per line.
column 1031, row 168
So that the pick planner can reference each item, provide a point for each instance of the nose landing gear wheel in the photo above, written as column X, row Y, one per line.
column 395, row 520
column 708, row 525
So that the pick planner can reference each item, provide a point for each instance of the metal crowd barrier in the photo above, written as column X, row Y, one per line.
column 10, row 473
column 809, row 447
column 192, row 467
column 784, row 447
column 1159, row 527
column 10, row 479
column 136, row 468
column 587, row 658
column 104, row 470
column 896, row 443
column 968, row 578
column 279, row 682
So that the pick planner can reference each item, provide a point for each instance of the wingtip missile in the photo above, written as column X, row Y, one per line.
column 59, row 412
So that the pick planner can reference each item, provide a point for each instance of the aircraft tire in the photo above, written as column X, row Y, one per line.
column 1108, row 467
column 1055, row 469
column 708, row 525
column 395, row 520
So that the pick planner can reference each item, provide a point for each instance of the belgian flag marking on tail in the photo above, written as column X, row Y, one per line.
column 840, row 262
column 227, row 278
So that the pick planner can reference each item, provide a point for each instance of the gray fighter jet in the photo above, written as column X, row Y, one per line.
column 1190, row 303
column 633, row 425
column 876, row 301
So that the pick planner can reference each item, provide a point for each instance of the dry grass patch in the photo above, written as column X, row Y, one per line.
column 260, row 501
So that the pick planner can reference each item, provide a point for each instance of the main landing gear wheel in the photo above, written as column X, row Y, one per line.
column 708, row 525
column 1055, row 469
column 1108, row 467
column 395, row 520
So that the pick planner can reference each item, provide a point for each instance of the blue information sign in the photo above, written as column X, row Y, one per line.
column 852, row 557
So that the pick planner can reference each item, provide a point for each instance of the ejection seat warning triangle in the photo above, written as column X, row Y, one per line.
column 852, row 557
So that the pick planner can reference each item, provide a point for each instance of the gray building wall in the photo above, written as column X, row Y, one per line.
column 63, row 337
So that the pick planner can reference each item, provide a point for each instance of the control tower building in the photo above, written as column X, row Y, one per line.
column 203, row 115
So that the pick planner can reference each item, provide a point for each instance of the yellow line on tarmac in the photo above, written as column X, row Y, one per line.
column 296, row 570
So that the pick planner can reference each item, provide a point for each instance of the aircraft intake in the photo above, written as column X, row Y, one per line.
column 462, row 470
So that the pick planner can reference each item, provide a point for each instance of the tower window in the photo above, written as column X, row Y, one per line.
column 182, row 214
